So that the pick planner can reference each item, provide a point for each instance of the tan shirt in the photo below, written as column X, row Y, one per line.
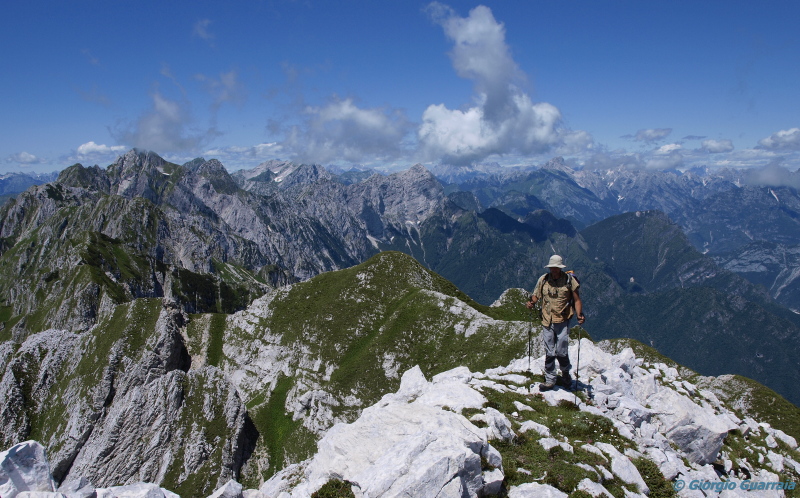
column 556, row 298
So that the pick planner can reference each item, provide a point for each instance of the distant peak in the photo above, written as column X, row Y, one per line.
column 558, row 164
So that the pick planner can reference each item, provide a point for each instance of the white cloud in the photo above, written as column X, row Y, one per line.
column 461, row 137
column 342, row 130
column 93, row 153
column 782, row 140
column 575, row 142
column 665, row 160
column 504, row 119
column 24, row 159
column 652, row 134
column 667, row 149
column 90, row 148
column 716, row 146
column 165, row 128
column 480, row 54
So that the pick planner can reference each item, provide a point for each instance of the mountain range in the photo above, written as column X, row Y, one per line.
column 192, row 322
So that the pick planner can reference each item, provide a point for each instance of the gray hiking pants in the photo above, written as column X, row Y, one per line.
column 556, row 346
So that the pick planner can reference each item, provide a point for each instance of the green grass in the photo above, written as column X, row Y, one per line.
column 765, row 405
column 555, row 466
column 658, row 485
column 334, row 488
column 274, row 424
column 216, row 332
column 352, row 319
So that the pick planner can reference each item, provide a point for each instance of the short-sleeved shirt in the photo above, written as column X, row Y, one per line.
column 556, row 297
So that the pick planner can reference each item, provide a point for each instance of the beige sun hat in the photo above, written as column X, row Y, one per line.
column 556, row 262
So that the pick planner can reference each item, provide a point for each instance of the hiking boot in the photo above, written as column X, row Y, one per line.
column 565, row 381
column 546, row 386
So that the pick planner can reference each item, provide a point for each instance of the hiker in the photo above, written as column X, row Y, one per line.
column 560, row 298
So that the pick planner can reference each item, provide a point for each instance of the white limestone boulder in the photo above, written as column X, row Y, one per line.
column 623, row 468
column 535, row 490
column 530, row 425
column 593, row 488
column 136, row 490
column 24, row 467
column 594, row 360
column 230, row 489
column 77, row 488
column 697, row 431
column 405, row 445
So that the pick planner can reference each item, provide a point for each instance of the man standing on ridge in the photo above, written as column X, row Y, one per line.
column 560, row 298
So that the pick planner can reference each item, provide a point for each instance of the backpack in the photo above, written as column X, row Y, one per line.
column 570, row 277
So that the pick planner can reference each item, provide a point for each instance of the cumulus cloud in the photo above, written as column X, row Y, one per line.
column 503, row 119
column 342, row 130
column 165, row 128
column 782, row 140
column 774, row 174
column 94, row 153
column 716, row 146
column 572, row 142
column 650, row 134
column 667, row 149
column 24, row 159
column 480, row 54
column 92, row 148
column 673, row 160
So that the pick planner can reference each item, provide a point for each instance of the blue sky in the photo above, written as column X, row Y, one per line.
column 390, row 83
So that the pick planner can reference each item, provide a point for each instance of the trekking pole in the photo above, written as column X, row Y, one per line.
column 530, row 338
column 578, row 368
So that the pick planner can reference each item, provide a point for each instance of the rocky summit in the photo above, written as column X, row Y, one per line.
column 636, row 426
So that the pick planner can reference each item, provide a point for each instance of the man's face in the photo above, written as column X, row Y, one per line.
column 555, row 271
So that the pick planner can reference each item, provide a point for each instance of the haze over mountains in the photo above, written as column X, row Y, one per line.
column 83, row 258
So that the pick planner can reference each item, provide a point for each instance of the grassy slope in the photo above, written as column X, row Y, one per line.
column 371, row 322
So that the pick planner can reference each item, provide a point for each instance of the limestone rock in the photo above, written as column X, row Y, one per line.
column 230, row 489
column 135, row 490
column 622, row 467
column 535, row 490
column 403, row 445
column 698, row 433
column 24, row 467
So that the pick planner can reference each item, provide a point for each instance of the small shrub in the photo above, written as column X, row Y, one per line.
column 334, row 488
column 569, row 405
column 659, row 486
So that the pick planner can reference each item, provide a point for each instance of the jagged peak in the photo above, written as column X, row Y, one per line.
column 90, row 177
column 136, row 160
column 194, row 164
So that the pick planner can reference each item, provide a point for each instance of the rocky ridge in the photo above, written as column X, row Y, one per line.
column 469, row 433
